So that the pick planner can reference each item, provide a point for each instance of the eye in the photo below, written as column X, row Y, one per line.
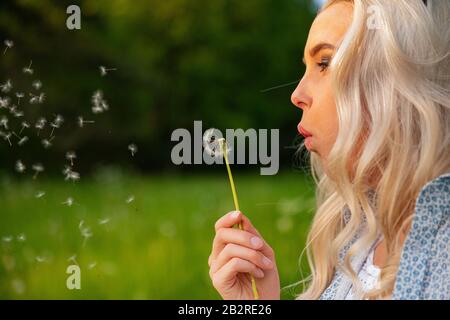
column 323, row 64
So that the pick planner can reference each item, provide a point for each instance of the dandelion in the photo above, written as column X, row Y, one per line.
column 8, row 45
column 37, row 168
column 4, row 102
column 71, row 155
column 40, row 124
column 7, row 86
column 21, row 237
column 39, row 194
column 7, row 238
column 103, row 221
column 104, row 71
column 130, row 199
column 19, row 95
column 224, row 151
column 69, row 202
column 28, row 69
column 24, row 125
column 211, row 142
column 22, row 141
column 37, row 84
column 81, row 122
column 20, row 167
column 4, row 122
column 133, row 149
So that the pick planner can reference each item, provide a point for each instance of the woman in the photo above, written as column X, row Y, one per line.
column 376, row 116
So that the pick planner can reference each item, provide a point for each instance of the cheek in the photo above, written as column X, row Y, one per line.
column 325, row 118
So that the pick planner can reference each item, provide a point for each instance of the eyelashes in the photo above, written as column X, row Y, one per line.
column 324, row 64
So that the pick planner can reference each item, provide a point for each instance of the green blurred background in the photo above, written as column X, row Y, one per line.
column 151, row 223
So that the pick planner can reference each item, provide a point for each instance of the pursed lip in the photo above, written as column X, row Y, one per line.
column 303, row 131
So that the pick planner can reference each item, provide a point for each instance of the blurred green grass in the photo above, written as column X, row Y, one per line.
column 155, row 247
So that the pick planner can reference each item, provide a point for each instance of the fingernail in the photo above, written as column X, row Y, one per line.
column 267, row 261
column 234, row 214
column 256, row 242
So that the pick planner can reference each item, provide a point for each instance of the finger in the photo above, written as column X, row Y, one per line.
column 236, row 236
column 232, row 250
column 228, row 272
column 228, row 220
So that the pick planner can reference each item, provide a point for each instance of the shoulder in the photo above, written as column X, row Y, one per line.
column 424, row 265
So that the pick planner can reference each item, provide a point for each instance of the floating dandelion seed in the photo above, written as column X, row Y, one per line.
column 17, row 113
column 92, row 265
column 70, row 174
column 8, row 45
column 47, row 143
column 40, row 124
column 40, row 194
column 37, row 84
column 104, row 71
column 34, row 99
column 21, row 237
column 224, row 150
column 19, row 95
column 56, row 123
column 103, row 221
column 7, row 137
column 133, row 149
column 130, row 199
column 81, row 122
column 4, row 102
column 86, row 232
column 73, row 259
column 37, row 168
column 99, row 104
column 28, row 69
column 41, row 259
column 4, row 122
column 22, row 141
column 69, row 202
column 7, row 238
column 71, row 155
column 20, row 167
column 7, row 86
column 25, row 125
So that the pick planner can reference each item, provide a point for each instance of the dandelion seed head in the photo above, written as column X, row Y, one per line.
column 40, row 124
column 212, row 143
column 103, row 221
column 21, row 237
column 38, row 167
column 4, row 102
column 73, row 259
column 71, row 155
column 69, row 202
column 4, row 122
column 46, row 143
column 8, row 43
column 28, row 69
column 92, row 265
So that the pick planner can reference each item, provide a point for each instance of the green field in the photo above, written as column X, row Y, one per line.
column 154, row 247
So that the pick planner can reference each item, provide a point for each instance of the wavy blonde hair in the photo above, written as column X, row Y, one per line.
column 392, row 95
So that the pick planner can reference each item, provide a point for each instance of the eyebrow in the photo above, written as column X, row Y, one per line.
column 320, row 46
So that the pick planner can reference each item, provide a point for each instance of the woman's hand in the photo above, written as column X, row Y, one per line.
column 235, row 254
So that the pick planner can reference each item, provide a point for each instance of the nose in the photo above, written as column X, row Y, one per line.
column 300, row 98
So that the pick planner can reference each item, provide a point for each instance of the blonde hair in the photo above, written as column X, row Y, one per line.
column 391, row 87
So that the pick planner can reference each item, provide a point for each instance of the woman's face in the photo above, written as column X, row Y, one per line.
column 314, row 92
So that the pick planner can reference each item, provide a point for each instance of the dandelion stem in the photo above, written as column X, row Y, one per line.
column 236, row 203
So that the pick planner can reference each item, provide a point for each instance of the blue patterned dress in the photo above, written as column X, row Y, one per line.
column 424, row 270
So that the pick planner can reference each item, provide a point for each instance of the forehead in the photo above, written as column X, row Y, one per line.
column 330, row 25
